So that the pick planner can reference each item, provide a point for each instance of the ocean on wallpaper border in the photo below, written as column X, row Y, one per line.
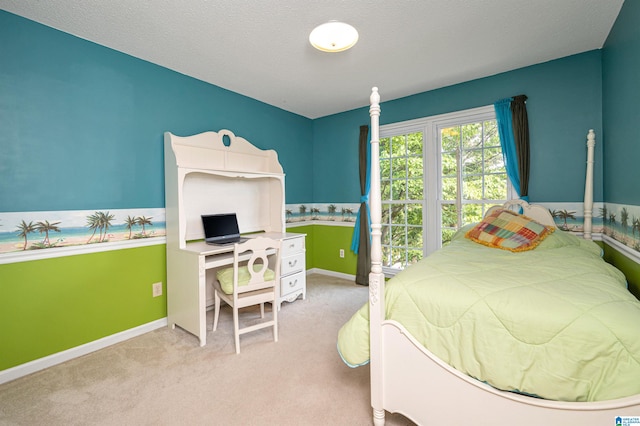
column 29, row 231
column 339, row 212
column 617, row 221
column 622, row 223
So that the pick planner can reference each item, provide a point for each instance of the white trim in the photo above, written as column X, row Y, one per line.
column 621, row 248
column 49, row 253
column 418, row 124
column 78, row 351
column 331, row 274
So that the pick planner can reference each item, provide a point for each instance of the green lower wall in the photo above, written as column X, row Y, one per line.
column 630, row 268
column 323, row 247
column 51, row 305
column 327, row 242
column 48, row 306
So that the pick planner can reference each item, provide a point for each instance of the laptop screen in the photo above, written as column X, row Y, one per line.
column 220, row 228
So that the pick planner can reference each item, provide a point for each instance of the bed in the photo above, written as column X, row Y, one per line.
column 513, row 362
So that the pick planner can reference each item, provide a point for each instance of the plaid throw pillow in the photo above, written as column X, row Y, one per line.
column 507, row 230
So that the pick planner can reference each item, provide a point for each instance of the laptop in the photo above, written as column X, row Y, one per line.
column 221, row 229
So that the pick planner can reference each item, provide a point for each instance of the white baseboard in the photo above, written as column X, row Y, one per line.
column 331, row 273
column 31, row 367
column 60, row 357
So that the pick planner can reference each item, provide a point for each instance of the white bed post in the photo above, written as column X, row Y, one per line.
column 376, row 277
column 588, row 186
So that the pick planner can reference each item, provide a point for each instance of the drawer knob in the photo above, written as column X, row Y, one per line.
column 291, row 246
column 293, row 263
column 293, row 283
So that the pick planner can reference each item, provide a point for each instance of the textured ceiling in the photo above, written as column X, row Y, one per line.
column 260, row 48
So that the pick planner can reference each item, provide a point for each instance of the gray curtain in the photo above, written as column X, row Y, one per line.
column 364, row 250
column 521, row 137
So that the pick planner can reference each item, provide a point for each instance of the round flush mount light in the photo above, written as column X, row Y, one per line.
column 333, row 36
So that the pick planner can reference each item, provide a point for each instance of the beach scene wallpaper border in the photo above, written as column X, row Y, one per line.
column 22, row 232
column 49, row 230
column 335, row 212
column 621, row 223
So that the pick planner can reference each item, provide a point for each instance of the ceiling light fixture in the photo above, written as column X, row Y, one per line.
column 333, row 36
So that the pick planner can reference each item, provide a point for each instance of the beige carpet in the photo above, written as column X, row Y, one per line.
column 165, row 378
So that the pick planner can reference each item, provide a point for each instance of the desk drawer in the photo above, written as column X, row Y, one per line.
column 292, row 283
column 292, row 246
column 292, row 264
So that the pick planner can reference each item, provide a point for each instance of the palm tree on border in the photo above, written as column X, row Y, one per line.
column 635, row 226
column 624, row 219
column 99, row 221
column 93, row 222
column 130, row 222
column 142, row 221
column 348, row 212
column 603, row 214
column 564, row 215
column 612, row 222
column 25, row 229
column 105, row 224
column 332, row 210
column 46, row 227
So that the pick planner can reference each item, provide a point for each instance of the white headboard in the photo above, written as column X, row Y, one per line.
column 534, row 211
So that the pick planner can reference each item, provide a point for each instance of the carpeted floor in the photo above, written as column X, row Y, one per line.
column 165, row 378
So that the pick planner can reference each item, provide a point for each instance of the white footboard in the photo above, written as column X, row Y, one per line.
column 426, row 390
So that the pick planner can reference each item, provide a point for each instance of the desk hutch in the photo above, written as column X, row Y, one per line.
column 219, row 172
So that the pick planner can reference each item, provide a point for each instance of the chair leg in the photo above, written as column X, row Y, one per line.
column 262, row 310
column 216, row 309
column 236, row 327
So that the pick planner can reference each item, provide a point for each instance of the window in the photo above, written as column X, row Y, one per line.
column 473, row 175
column 437, row 174
column 402, row 193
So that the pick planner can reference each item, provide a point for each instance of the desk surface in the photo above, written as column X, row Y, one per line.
column 202, row 248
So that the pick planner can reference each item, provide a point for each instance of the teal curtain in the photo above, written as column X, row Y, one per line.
column 361, row 239
column 513, row 128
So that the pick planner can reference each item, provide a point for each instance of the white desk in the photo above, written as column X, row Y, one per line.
column 191, row 273
column 219, row 172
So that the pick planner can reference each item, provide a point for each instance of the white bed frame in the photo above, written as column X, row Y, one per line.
column 408, row 379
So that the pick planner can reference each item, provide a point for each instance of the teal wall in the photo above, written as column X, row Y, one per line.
column 621, row 111
column 565, row 100
column 621, row 107
column 82, row 125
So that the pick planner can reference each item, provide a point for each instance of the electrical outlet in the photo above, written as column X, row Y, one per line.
column 156, row 289
column 342, row 253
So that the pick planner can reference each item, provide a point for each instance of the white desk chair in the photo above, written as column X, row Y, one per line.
column 250, row 283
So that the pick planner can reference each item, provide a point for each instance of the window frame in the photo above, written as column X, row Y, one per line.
column 432, row 167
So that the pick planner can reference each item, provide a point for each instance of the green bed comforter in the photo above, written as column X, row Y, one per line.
column 555, row 322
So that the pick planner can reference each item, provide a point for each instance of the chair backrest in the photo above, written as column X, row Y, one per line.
column 263, row 253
